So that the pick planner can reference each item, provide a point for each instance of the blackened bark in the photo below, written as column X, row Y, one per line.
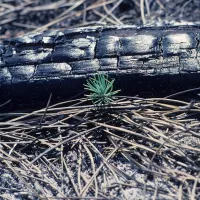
column 142, row 59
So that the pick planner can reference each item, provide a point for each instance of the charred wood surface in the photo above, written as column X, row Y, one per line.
column 141, row 59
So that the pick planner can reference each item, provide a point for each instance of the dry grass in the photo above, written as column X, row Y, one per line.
column 73, row 149
column 24, row 16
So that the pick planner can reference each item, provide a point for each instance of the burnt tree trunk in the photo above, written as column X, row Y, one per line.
column 143, row 60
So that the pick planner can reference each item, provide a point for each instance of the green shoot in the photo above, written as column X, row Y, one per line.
column 101, row 89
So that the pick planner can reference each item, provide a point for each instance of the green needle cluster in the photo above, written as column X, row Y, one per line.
column 101, row 89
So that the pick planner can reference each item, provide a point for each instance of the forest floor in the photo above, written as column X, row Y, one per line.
column 133, row 149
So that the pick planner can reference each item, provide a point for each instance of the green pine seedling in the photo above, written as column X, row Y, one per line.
column 101, row 89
